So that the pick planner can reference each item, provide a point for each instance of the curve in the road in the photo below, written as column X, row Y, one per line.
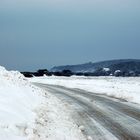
column 104, row 118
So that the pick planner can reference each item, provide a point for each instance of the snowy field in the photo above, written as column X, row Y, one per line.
column 127, row 88
column 29, row 113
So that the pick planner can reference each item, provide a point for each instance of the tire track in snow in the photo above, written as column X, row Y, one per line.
column 115, row 118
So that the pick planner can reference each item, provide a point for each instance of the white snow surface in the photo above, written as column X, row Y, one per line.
column 127, row 88
column 106, row 69
column 29, row 113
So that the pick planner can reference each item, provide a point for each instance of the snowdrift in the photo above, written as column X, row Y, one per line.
column 18, row 98
column 29, row 113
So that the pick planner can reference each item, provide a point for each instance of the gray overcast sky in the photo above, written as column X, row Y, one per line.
column 43, row 33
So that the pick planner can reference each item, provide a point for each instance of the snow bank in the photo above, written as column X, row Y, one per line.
column 29, row 113
column 127, row 88
column 18, row 98
column 55, row 122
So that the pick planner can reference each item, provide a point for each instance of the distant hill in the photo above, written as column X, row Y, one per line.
column 123, row 65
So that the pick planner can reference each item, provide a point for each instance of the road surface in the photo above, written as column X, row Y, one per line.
column 99, row 116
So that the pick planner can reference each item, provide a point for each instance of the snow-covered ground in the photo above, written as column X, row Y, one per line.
column 127, row 88
column 29, row 113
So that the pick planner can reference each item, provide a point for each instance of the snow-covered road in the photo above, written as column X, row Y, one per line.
column 98, row 116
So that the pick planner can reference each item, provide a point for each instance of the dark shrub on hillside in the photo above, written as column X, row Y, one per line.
column 37, row 74
column 63, row 73
column 27, row 74
column 88, row 74
column 40, row 72
column 67, row 73
column 118, row 73
column 79, row 74
column 101, row 72
column 57, row 73
column 43, row 71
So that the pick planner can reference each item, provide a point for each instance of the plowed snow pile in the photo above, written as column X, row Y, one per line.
column 28, row 113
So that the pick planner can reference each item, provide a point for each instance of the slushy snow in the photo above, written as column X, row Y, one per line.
column 29, row 113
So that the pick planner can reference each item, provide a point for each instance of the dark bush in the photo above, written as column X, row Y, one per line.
column 57, row 73
column 27, row 74
column 44, row 71
column 79, row 74
column 67, row 73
